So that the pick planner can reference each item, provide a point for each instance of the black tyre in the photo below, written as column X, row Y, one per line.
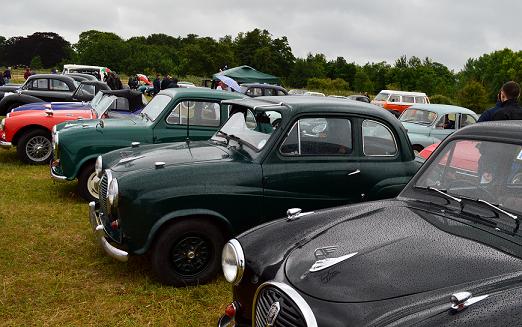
column 88, row 183
column 188, row 252
column 34, row 147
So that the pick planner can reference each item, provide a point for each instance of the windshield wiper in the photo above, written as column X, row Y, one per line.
column 443, row 193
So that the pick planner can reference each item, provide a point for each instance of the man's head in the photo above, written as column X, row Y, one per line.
column 510, row 90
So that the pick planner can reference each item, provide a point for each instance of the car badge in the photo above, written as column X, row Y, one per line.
column 273, row 312
column 329, row 262
column 323, row 253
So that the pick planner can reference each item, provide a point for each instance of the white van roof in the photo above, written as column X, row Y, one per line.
column 404, row 92
column 72, row 66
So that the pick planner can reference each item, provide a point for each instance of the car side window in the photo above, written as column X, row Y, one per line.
column 279, row 92
column 446, row 122
column 318, row 137
column 378, row 140
column 420, row 100
column 198, row 113
column 57, row 85
column 254, row 92
column 466, row 120
column 269, row 92
column 39, row 84
column 407, row 98
column 394, row 98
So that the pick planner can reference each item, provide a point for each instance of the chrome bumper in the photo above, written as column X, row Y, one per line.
column 56, row 177
column 99, row 232
column 225, row 321
column 5, row 145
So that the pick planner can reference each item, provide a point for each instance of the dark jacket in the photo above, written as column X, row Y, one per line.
column 510, row 110
column 488, row 114
column 7, row 74
column 157, row 85
column 165, row 83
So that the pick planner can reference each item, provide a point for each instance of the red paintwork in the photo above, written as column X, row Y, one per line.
column 465, row 156
column 19, row 119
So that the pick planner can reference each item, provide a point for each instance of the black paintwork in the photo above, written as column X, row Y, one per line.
column 411, row 256
column 24, row 94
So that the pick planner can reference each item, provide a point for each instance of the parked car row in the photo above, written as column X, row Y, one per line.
column 198, row 180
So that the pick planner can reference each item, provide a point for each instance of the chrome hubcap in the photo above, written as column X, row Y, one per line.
column 92, row 185
column 38, row 149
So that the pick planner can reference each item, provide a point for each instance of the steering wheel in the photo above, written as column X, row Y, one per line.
column 483, row 194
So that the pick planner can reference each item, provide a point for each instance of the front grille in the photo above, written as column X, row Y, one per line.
column 289, row 313
column 104, row 183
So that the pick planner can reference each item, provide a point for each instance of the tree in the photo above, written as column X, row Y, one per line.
column 473, row 96
column 102, row 49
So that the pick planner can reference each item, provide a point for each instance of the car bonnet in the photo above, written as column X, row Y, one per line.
column 392, row 253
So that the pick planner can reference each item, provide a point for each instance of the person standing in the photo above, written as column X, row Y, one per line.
column 27, row 73
column 7, row 75
column 1, row 79
column 488, row 114
column 509, row 107
column 165, row 82
column 157, row 84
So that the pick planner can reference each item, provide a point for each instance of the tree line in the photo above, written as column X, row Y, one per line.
column 475, row 86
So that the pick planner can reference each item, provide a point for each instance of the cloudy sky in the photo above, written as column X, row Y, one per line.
column 447, row 31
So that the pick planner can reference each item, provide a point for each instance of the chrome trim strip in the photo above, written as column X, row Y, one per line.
column 329, row 262
column 5, row 145
column 99, row 232
column 305, row 309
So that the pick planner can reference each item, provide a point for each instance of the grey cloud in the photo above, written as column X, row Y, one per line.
column 447, row 31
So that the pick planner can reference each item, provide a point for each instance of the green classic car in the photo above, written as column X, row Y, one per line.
column 172, row 115
column 180, row 202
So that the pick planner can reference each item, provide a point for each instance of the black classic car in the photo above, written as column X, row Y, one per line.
column 45, row 88
column 180, row 202
column 446, row 251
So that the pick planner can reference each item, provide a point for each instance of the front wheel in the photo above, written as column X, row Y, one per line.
column 88, row 183
column 188, row 252
column 35, row 147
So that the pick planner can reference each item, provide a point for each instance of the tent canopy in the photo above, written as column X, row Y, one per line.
column 246, row 74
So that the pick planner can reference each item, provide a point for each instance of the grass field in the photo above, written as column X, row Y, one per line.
column 52, row 273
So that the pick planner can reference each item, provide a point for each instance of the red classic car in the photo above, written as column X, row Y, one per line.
column 30, row 130
column 465, row 158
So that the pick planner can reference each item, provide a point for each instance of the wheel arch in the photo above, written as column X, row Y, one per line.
column 211, row 216
column 26, row 129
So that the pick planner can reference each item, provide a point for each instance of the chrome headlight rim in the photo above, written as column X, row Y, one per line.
column 55, row 141
column 233, row 261
column 98, row 167
column 112, row 192
column 2, row 124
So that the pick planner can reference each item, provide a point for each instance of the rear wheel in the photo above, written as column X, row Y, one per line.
column 88, row 183
column 35, row 147
column 188, row 252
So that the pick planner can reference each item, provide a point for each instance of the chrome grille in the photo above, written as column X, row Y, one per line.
column 104, row 183
column 289, row 313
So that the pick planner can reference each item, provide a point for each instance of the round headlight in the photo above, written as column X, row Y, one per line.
column 98, row 167
column 233, row 261
column 112, row 193
column 2, row 124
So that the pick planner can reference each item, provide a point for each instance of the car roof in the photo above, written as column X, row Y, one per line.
column 200, row 91
column 442, row 108
column 404, row 92
column 55, row 76
column 313, row 104
column 502, row 130
column 271, row 86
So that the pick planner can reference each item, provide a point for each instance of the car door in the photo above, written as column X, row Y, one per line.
column 196, row 120
column 382, row 172
column 313, row 166
column 37, row 87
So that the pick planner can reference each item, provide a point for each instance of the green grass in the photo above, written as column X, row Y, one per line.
column 52, row 272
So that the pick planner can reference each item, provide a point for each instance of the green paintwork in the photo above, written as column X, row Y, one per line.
column 238, row 188
column 82, row 141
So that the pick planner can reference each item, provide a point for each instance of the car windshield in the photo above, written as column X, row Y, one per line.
column 382, row 96
column 155, row 107
column 103, row 104
column 479, row 170
column 418, row 116
column 247, row 128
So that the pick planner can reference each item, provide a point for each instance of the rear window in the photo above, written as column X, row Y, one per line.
column 407, row 98
column 420, row 100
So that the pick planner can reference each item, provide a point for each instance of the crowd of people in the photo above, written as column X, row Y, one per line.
column 5, row 77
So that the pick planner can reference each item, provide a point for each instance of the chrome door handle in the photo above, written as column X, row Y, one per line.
column 355, row 172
